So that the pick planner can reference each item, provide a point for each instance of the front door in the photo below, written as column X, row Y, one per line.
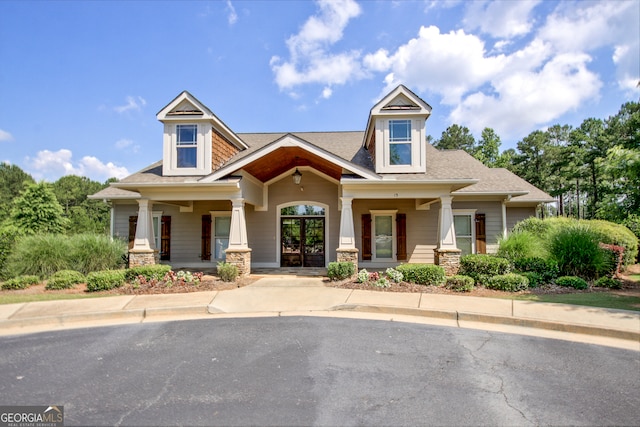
column 302, row 242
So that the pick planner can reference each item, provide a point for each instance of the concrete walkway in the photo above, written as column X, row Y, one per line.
column 308, row 296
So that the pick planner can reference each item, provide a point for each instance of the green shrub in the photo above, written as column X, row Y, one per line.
column 535, row 226
column 547, row 269
column 460, row 283
column 44, row 254
column 105, row 280
column 21, row 282
column 423, row 274
column 576, row 250
column 572, row 282
column 510, row 282
column 521, row 244
column 155, row 271
column 481, row 267
column 535, row 279
column 65, row 279
column 8, row 238
column 228, row 272
column 95, row 252
column 608, row 282
column 616, row 234
column 340, row 270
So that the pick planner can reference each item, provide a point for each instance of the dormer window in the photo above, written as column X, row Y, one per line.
column 400, row 142
column 187, row 146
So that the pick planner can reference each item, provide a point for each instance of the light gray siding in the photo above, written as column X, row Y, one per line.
column 515, row 215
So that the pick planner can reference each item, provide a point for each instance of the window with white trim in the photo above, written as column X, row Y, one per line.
column 400, row 142
column 220, row 233
column 157, row 230
column 384, row 235
column 186, row 146
column 464, row 224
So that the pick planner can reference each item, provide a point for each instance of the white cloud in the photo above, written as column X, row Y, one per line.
column 500, row 18
column 327, row 92
column 127, row 144
column 5, row 136
column 309, row 59
column 51, row 165
column 447, row 64
column 526, row 99
column 232, row 17
column 133, row 104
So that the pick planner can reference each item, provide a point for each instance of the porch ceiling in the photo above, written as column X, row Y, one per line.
column 285, row 158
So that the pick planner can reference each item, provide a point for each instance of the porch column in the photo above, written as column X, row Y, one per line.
column 447, row 253
column 347, row 251
column 504, row 219
column 238, row 252
column 143, row 251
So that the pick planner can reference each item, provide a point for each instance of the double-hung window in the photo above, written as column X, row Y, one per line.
column 400, row 142
column 187, row 146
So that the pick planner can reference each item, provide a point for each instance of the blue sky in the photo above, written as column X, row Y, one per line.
column 81, row 82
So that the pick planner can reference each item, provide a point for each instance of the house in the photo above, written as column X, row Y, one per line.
column 376, row 198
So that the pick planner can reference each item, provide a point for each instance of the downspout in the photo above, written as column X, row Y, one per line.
column 504, row 217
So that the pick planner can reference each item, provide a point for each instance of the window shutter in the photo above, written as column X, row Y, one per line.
column 481, row 236
column 366, row 237
column 401, row 236
column 165, row 238
column 206, row 238
column 133, row 222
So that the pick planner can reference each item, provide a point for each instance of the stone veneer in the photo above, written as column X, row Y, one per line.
column 142, row 257
column 348, row 255
column 449, row 259
column 241, row 258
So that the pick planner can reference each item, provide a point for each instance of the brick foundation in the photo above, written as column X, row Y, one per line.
column 142, row 257
column 449, row 259
column 241, row 258
column 348, row 255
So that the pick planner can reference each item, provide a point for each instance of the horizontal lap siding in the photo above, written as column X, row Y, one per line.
column 122, row 212
column 262, row 227
column 422, row 226
column 515, row 215
column 493, row 219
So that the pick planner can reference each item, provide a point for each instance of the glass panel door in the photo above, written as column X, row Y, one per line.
column 313, row 242
column 291, row 255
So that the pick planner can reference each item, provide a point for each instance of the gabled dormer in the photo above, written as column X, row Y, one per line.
column 195, row 142
column 395, row 135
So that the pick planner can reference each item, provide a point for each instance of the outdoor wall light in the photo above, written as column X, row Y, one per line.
column 297, row 176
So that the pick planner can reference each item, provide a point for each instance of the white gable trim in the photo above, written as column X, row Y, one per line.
column 202, row 114
column 290, row 141
column 402, row 91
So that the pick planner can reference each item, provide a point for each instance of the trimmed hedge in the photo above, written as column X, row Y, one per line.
column 154, row 271
column 64, row 279
column 510, row 282
column 608, row 282
column 460, row 283
column 535, row 279
column 105, row 280
column 423, row 274
column 340, row 270
column 21, row 282
column 572, row 282
column 482, row 267
column 546, row 269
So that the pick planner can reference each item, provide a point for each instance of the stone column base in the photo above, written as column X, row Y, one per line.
column 348, row 255
column 138, row 257
column 241, row 258
column 449, row 259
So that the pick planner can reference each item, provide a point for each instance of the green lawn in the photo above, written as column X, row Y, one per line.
column 595, row 299
column 18, row 298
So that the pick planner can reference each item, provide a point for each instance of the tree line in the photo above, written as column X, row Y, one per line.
column 592, row 170
column 30, row 207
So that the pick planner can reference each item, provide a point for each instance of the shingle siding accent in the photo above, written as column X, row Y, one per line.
column 221, row 150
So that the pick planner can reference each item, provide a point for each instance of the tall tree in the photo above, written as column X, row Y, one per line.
column 532, row 162
column 561, row 179
column 36, row 210
column 83, row 214
column 12, row 182
column 488, row 148
column 456, row 137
